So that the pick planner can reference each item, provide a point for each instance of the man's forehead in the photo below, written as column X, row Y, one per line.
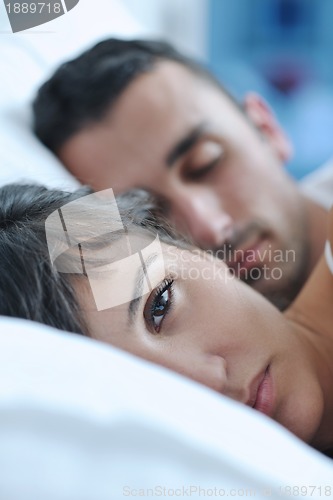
column 162, row 107
column 155, row 113
column 168, row 83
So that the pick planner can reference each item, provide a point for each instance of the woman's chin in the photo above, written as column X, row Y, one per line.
column 303, row 417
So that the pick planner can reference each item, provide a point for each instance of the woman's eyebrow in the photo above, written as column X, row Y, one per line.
column 185, row 144
column 140, row 280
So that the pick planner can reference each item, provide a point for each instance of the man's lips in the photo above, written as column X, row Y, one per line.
column 247, row 256
column 262, row 393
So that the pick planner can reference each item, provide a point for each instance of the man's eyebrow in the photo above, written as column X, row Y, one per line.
column 140, row 278
column 185, row 144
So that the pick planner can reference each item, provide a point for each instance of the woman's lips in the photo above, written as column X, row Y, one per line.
column 262, row 393
column 265, row 396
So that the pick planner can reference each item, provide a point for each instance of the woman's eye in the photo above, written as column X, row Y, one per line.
column 159, row 306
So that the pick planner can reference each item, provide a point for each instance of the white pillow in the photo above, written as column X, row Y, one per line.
column 82, row 420
column 26, row 60
column 319, row 185
column 24, row 158
column 66, row 36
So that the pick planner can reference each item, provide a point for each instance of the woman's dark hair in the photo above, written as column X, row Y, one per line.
column 82, row 91
column 30, row 286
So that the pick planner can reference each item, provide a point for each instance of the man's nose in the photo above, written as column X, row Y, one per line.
column 204, row 219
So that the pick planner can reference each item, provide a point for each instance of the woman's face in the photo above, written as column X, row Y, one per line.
column 200, row 321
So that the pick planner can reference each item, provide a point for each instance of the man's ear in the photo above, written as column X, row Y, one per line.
column 263, row 118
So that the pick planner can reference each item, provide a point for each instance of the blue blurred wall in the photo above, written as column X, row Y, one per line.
column 284, row 50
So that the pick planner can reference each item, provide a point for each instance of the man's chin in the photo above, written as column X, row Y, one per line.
column 280, row 298
column 280, row 292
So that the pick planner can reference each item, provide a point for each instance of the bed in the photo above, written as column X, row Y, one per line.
column 82, row 420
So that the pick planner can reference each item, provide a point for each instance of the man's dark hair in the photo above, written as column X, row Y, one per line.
column 30, row 286
column 82, row 91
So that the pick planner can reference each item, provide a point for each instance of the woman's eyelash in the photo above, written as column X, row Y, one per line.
column 167, row 284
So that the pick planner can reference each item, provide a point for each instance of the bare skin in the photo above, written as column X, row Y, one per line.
column 221, row 333
column 219, row 173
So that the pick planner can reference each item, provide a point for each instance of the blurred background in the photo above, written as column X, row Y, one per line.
column 282, row 49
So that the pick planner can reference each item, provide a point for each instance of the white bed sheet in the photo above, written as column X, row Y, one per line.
column 82, row 420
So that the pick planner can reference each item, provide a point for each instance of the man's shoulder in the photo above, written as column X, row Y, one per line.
column 319, row 185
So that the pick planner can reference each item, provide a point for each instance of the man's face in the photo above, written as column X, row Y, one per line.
column 223, row 183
